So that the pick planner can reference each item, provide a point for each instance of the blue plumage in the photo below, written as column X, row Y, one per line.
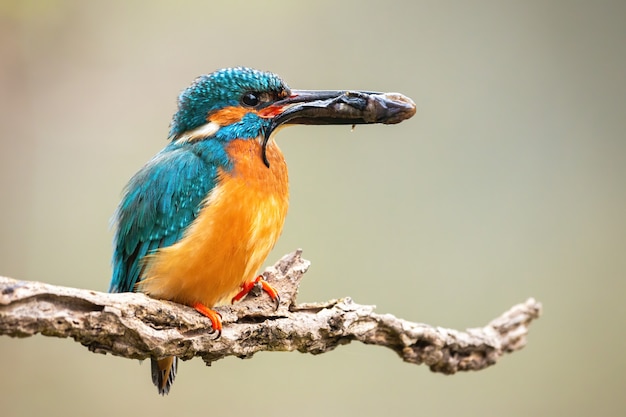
column 160, row 202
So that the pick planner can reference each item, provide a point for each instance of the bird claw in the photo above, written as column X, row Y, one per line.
column 214, row 316
column 276, row 302
column 246, row 287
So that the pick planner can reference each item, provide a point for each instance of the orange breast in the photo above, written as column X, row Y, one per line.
column 228, row 242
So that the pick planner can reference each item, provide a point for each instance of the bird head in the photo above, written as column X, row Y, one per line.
column 244, row 103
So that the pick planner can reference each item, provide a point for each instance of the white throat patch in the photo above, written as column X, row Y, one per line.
column 206, row 130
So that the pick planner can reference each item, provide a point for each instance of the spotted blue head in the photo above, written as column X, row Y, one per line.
column 229, row 102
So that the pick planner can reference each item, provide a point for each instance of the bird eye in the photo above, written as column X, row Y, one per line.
column 250, row 99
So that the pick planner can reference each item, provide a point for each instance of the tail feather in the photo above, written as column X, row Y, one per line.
column 163, row 373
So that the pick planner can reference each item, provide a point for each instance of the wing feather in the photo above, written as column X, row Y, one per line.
column 160, row 202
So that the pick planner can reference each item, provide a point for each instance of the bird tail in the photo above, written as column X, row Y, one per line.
column 163, row 373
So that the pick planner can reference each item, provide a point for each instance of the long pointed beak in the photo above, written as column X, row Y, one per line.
column 309, row 107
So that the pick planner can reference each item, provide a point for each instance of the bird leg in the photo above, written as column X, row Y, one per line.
column 246, row 287
column 214, row 316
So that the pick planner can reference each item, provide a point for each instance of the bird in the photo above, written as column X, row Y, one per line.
column 198, row 220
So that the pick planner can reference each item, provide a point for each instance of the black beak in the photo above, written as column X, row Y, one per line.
column 307, row 107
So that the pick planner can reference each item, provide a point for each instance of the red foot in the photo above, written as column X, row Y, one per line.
column 214, row 316
column 247, row 287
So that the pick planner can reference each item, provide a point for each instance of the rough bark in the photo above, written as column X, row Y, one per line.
column 135, row 326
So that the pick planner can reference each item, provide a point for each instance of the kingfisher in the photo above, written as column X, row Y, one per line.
column 196, row 223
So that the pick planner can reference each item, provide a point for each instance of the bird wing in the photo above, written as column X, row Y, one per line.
column 159, row 203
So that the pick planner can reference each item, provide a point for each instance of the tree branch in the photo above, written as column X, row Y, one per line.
column 135, row 326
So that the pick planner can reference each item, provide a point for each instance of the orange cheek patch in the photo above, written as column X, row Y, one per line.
column 228, row 115
column 270, row 111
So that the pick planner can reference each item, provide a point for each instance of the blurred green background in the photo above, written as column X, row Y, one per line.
column 510, row 182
